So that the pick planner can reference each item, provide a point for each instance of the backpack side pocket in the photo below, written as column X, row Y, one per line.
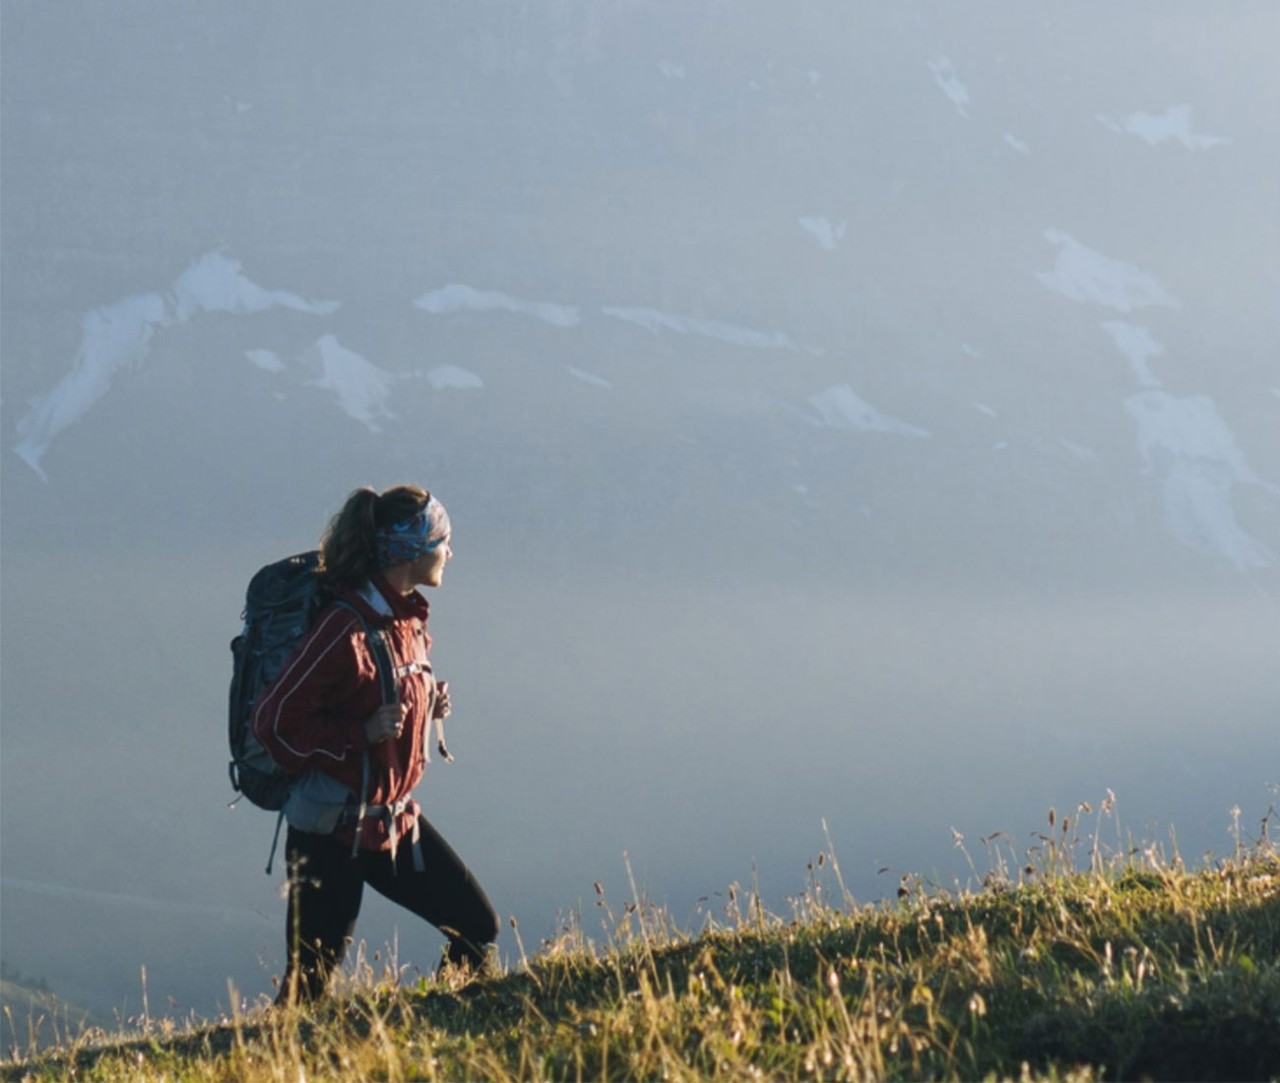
column 316, row 803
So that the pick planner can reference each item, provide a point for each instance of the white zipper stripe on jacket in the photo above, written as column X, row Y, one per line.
column 379, row 604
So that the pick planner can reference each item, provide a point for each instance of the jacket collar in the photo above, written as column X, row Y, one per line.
column 382, row 603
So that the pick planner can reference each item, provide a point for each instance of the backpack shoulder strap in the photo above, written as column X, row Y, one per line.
column 381, row 653
column 387, row 680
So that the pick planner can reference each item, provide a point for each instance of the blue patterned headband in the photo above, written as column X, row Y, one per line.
column 408, row 539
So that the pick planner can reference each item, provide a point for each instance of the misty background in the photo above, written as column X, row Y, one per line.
column 860, row 415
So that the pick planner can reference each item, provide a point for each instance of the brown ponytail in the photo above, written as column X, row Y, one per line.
column 348, row 555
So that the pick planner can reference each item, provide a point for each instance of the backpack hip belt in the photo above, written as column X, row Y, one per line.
column 389, row 814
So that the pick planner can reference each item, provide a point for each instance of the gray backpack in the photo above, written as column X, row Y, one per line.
column 281, row 603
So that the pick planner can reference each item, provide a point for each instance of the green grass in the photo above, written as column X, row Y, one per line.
column 1063, row 965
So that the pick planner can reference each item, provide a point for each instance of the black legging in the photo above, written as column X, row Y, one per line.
column 325, row 887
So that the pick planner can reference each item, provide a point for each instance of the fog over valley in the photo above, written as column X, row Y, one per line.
column 860, row 425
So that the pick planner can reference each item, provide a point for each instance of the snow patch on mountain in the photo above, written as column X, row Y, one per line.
column 361, row 388
column 1188, row 446
column 1186, row 442
column 456, row 297
column 828, row 234
column 1137, row 346
column 944, row 75
column 588, row 377
column 265, row 359
column 110, row 338
column 453, row 378
column 1173, row 124
column 213, row 283
column 654, row 320
column 1081, row 274
column 839, row 407
column 120, row 334
column 1080, row 451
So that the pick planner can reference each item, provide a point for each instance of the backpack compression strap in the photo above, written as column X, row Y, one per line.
column 387, row 680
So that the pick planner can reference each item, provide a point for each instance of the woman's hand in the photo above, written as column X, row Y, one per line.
column 385, row 723
column 443, row 705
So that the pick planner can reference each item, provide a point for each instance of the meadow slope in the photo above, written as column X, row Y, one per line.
column 1129, row 968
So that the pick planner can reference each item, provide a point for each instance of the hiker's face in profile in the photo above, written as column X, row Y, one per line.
column 428, row 569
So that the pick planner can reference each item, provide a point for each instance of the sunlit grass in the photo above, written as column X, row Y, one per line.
column 1073, row 960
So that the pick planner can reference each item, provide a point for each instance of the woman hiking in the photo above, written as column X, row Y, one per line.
column 352, row 723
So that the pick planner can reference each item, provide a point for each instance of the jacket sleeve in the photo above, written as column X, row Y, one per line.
column 300, row 718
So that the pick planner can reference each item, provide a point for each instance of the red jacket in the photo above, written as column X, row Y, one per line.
column 312, row 715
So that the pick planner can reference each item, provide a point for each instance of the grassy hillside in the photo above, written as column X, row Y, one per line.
column 1130, row 968
column 33, row 1017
